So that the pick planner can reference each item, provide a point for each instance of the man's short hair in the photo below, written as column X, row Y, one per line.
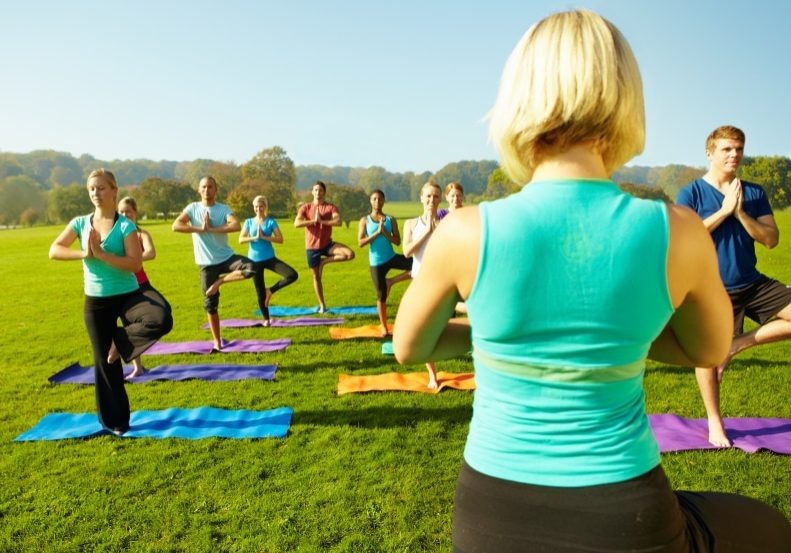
column 571, row 79
column 323, row 186
column 725, row 131
column 209, row 178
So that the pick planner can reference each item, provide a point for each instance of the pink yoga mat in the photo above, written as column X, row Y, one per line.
column 674, row 433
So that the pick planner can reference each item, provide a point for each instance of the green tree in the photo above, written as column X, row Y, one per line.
column 279, row 196
column 352, row 202
column 499, row 185
column 66, row 202
column 157, row 196
column 16, row 195
column 773, row 173
column 272, row 165
column 644, row 191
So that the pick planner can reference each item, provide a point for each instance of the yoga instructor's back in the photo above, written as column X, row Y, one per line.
column 570, row 285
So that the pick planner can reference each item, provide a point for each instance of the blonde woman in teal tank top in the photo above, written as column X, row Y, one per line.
column 571, row 285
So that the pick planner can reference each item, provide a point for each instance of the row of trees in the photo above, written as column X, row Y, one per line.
column 33, row 186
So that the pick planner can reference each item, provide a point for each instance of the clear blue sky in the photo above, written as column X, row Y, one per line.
column 404, row 84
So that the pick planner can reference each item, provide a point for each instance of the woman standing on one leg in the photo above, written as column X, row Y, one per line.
column 260, row 232
column 417, row 233
column 110, row 252
column 128, row 208
column 380, row 231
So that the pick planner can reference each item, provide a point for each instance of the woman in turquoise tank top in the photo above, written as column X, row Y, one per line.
column 570, row 285
column 380, row 232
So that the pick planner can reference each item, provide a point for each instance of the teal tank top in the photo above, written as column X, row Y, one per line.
column 101, row 279
column 381, row 250
column 571, row 291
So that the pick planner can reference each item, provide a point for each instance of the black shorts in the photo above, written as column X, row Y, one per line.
column 379, row 273
column 760, row 301
column 210, row 273
column 314, row 256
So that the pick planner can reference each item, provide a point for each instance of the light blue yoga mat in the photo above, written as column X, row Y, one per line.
column 191, row 424
column 387, row 348
column 285, row 311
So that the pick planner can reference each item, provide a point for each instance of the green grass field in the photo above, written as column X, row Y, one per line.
column 360, row 473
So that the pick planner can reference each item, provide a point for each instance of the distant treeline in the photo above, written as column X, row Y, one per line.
column 48, row 186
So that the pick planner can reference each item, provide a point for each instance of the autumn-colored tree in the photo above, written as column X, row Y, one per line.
column 29, row 217
column 279, row 196
column 644, row 191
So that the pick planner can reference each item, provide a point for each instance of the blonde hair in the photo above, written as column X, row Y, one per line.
column 725, row 131
column 130, row 201
column 265, row 202
column 104, row 175
column 572, row 78
column 429, row 184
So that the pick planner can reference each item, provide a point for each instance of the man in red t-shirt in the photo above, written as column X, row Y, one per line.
column 318, row 218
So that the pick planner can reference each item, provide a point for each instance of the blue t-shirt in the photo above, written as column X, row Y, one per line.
column 381, row 250
column 103, row 280
column 735, row 247
column 563, row 310
column 209, row 248
column 260, row 250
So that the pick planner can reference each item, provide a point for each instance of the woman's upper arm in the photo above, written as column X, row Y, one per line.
column 149, row 251
column 703, row 320
column 64, row 240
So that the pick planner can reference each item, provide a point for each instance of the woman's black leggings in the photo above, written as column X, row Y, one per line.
column 146, row 318
column 275, row 265
column 639, row 515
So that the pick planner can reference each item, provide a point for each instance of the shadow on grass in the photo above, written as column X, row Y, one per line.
column 382, row 417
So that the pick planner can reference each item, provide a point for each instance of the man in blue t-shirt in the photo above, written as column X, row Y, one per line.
column 209, row 222
column 737, row 214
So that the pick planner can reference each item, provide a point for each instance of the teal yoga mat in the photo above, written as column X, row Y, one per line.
column 191, row 424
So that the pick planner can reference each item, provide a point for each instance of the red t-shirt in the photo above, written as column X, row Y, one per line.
column 317, row 236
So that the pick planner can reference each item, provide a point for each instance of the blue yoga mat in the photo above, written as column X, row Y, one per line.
column 285, row 311
column 387, row 348
column 191, row 424
column 77, row 374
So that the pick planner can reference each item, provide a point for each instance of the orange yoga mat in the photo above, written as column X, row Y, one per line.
column 367, row 331
column 406, row 382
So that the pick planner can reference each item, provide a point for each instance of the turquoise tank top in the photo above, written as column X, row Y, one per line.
column 571, row 291
column 103, row 280
column 381, row 249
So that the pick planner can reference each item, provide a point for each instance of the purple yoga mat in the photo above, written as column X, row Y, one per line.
column 228, row 346
column 77, row 374
column 674, row 433
column 297, row 321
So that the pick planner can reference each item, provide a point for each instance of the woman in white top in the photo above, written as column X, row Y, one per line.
column 417, row 233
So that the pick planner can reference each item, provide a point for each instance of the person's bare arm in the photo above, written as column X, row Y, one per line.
column 149, row 251
column 699, row 332
column 424, row 329
column 183, row 224
column 362, row 233
column 61, row 249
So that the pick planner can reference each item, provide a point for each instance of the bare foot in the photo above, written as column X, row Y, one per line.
column 432, row 376
column 138, row 371
column 112, row 355
column 214, row 288
column 384, row 331
column 461, row 307
column 717, row 434
column 322, row 309
column 268, row 297
column 267, row 322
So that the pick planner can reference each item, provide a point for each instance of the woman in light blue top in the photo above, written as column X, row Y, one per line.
column 570, row 285
column 111, row 254
column 260, row 232
column 380, row 232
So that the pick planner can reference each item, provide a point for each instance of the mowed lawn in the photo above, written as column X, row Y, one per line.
column 360, row 472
